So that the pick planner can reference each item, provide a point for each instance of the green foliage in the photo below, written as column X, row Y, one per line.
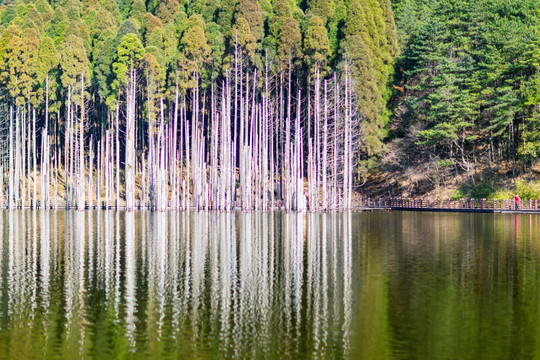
column 289, row 42
column 316, row 45
column 128, row 54
column 226, row 17
column 195, row 53
column 130, row 51
column 248, row 29
column 127, row 27
column 102, row 67
column 369, row 60
column 102, row 25
column 482, row 190
column 170, row 45
column 19, row 63
column 9, row 14
column 250, row 10
column 32, row 19
column 48, row 56
column 167, row 10
column 74, row 64
column 125, row 7
column 138, row 10
column 485, row 190
column 245, row 38
column 192, row 43
column 321, row 8
column 528, row 190
column 217, row 45
column 335, row 26
column 445, row 163
column 73, row 9
column 154, row 31
column 470, row 71
column 502, row 194
column 457, row 195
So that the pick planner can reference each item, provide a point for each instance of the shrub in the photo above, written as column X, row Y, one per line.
column 501, row 194
column 482, row 191
column 458, row 194
column 528, row 190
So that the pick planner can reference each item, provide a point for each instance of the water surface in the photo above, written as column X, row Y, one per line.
column 109, row 284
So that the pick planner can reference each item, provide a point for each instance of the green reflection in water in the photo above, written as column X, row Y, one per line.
column 166, row 285
column 462, row 286
column 204, row 285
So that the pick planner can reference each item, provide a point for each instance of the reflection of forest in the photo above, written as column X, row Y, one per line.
column 463, row 286
column 371, row 285
column 186, row 285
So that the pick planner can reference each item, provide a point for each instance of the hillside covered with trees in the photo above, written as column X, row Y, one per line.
column 466, row 99
column 192, row 103
column 263, row 103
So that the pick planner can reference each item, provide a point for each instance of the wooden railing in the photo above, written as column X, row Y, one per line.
column 462, row 204
column 364, row 203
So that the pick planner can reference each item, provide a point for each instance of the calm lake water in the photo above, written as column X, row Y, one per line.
column 206, row 285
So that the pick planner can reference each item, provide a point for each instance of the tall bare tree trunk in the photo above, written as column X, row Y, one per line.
column 117, row 167
column 80, row 176
column 130, row 144
column 11, row 170
column 34, row 159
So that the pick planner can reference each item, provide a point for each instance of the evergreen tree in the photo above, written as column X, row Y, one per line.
column 73, row 65
column 195, row 53
column 321, row 8
column 316, row 45
column 248, row 28
column 128, row 54
column 167, row 10
column 18, row 63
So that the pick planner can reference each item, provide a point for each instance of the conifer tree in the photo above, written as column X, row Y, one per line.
column 316, row 45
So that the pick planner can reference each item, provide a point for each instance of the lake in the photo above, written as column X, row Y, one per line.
column 373, row 285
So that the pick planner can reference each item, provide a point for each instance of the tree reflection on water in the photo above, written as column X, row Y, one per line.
column 178, row 285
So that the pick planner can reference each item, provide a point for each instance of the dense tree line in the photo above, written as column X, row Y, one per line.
column 182, row 103
column 469, row 75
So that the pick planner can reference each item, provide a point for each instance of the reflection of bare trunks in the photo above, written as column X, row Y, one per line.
column 255, row 282
column 130, row 300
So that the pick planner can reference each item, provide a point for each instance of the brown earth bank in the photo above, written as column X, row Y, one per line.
column 408, row 171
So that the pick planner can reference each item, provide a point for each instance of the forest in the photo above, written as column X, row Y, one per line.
column 205, row 104
column 260, row 104
column 466, row 96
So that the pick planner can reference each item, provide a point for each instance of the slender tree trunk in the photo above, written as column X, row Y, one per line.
column 34, row 159
column 335, row 199
column 80, row 177
column 22, row 172
column 11, row 170
column 130, row 143
column 67, row 149
column 346, row 199
column 90, row 172
column 174, row 154
column 117, row 167
column 325, row 150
